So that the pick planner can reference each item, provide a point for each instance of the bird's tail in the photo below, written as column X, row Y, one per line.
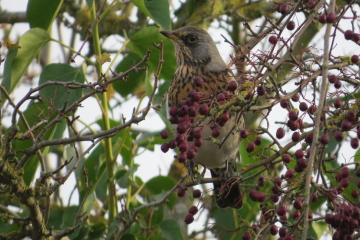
column 228, row 194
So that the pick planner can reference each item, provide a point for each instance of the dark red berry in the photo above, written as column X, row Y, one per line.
column 261, row 196
column 164, row 147
column 293, row 115
column 281, row 210
column 314, row 197
column 344, row 182
column 337, row 84
column 278, row 6
column 220, row 97
column 193, row 210
column 172, row 143
column 356, row 37
column 329, row 218
column 250, row 147
column 299, row 154
column 244, row 133
column 181, row 192
column 302, row 163
column 337, row 103
column 273, row 230
column 296, row 215
column 312, row 109
column 199, row 82
column 198, row 142
column 273, row 39
column 357, row 172
column 291, row 25
column 309, row 138
column 164, row 134
column 339, row 136
column 348, row 34
column 258, row 141
column 246, row 235
column 286, row 158
column 358, row 184
column 282, row 232
column 274, row 198
column 254, row 195
column 284, row 103
column 293, row 125
column 197, row 133
column 280, row 133
column 189, row 218
column 354, row 58
column 330, row 18
column 354, row 193
column 224, row 117
column 181, row 128
column 196, row 193
column 261, row 181
column 295, row 98
column 346, row 125
column 298, row 168
column 298, row 204
column 183, row 147
column 190, row 154
column 204, row 109
column 215, row 132
column 182, row 157
column 260, row 90
column 232, row 86
column 322, row 18
column 345, row 171
column 284, row 9
column 332, row 79
column 173, row 111
column 354, row 143
column 324, row 139
column 303, row 106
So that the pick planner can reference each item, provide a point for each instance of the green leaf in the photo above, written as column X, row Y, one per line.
column 158, row 11
column 159, row 183
column 143, row 40
column 41, row 13
column 58, row 95
column 171, row 229
column 317, row 229
column 122, row 176
column 31, row 43
column 134, row 80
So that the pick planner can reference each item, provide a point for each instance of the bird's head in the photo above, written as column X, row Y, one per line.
column 195, row 47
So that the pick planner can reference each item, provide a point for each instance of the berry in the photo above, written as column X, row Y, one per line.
column 260, row 90
column 273, row 230
column 348, row 34
column 345, row 172
column 181, row 192
column 181, row 128
column 224, row 117
column 198, row 142
column 284, row 103
column 339, row 136
column 258, row 141
column 216, row 132
column 284, row 9
column 220, row 97
column 295, row 98
column 254, row 195
column 190, row 154
column 197, row 133
column 322, row 18
column 189, row 218
column 298, row 204
column 164, row 147
column 354, row 58
column 337, row 103
column 183, row 147
column 344, row 182
column 309, row 138
column 281, row 210
column 299, row 154
column 173, row 111
column 312, row 109
column 244, row 133
column 356, row 37
column 354, row 193
column 278, row 6
column 193, row 210
column 232, row 86
column 298, row 168
column 286, row 158
column 291, row 25
column 346, row 125
column 261, row 181
column 261, row 196
column 358, row 184
column 282, row 232
column 250, row 147
column 330, row 18
column 182, row 157
column 246, row 235
column 164, row 134
column 196, row 193
column 303, row 106
column 354, row 143
column 302, row 163
column 350, row 115
column 172, row 143
column 332, row 79
column 296, row 215
column 280, row 133
column 199, row 82
column 204, row 109
column 329, row 218
column 192, row 111
column 314, row 197
column 273, row 39
column 337, row 84
column 278, row 181
column 183, row 111
column 293, row 115
column 357, row 172
column 293, row 125
column 274, row 198
column 324, row 139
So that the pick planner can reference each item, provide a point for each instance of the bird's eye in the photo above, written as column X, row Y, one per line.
column 192, row 39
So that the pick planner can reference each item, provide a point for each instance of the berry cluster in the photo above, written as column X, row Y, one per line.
column 190, row 119
column 193, row 210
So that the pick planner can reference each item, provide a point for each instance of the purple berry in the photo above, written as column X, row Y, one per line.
column 232, row 86
column 291, row 25
column 250, row 147
column 189, row 218
column 273, row 39
column 193, row 210
column 348, row 34
column 280, row 133
column 196, row 193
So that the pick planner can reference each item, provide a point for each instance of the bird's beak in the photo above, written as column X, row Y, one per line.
column 170, row 35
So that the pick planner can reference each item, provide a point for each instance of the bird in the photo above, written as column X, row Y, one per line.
column 197, row 56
